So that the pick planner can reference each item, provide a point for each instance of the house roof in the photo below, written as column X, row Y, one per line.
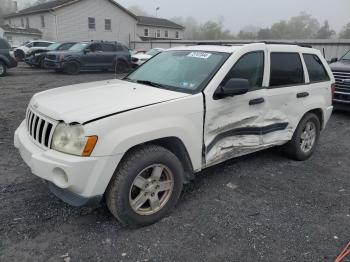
column 158, row 22
column 19, row 30
column 56, row 4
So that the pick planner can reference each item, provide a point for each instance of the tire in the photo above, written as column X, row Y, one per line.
column 121, row 66
column 3, row 69
column 141, row 163
column 72, row 68
column 58, row 70
column 20, row 55
column 303, row 144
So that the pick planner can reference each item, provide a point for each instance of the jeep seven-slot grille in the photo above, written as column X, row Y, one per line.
column 342, row 86
column 40, row 129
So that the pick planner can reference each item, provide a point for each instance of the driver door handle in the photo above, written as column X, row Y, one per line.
column 256, row 101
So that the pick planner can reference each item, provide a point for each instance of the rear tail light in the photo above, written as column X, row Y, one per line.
column 333, row 90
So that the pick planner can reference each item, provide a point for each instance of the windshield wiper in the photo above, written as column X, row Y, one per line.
column 149, row 83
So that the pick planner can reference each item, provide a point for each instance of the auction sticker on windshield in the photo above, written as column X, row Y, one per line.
column 201, row 55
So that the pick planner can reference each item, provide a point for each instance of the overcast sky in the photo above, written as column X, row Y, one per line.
column 241, row 13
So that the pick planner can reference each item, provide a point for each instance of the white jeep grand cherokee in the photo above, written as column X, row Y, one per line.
column 136, row 141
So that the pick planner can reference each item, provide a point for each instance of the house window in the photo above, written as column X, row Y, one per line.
column 27, row 22
column 166, row 33
column 91, row 23
column 22, row 22
column 108, row 25
column 146, row 32
column 177, row 35
column 42, row 21
column 10, row 22
column 158, row 33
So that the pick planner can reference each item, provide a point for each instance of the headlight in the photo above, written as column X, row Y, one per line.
column 71, row 139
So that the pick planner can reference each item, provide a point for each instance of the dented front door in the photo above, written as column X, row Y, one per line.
column 233, row 124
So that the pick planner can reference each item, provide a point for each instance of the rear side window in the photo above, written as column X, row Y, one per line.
column 317, row 72
column 108, row 48
column 286, row 69
column 251, row 67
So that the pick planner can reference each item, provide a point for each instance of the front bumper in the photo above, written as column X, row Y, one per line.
column 76, row 180
column 49, row 64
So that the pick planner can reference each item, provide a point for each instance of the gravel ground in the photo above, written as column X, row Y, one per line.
column 262, row 207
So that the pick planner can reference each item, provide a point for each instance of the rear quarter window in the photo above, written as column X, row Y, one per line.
column 286, row 70
column 317, row 72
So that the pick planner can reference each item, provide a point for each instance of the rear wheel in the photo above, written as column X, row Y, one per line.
column 3, row 68
column 121, row 66
column 146, row 186
column 305, row 139
column 72, row 68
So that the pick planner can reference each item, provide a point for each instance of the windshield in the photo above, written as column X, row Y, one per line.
column 184, row 71
column 53, row 46
column 153, row 52
column 79, row 47
column 347, row 56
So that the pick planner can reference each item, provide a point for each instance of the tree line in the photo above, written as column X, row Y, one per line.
column 302, row 26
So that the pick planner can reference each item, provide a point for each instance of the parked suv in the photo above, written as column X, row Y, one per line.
column 28, row 47
column 341, row 71
column 136, row 141
column 36, row 58
column 7, row 58
column 90, row 56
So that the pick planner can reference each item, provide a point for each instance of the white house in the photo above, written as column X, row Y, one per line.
column 16, row 35
column 78, row 20
column 83, row 20
column 152, row 28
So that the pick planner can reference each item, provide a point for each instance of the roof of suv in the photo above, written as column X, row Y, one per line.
column 235, row 47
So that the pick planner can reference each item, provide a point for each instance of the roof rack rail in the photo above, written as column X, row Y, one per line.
column 228, row 43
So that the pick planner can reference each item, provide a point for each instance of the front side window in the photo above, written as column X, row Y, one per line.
column 286, row 69
column 316, row 70
column 108, row 24
column 183, row 71
column 91, row 23
column 42, row 21
column 251, row 67
column 146, row 32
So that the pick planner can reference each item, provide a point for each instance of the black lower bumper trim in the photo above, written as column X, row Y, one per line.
column 72, row 198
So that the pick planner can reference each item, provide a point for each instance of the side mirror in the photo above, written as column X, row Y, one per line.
column 233, row 87
column 87, row 50
column 333, row 60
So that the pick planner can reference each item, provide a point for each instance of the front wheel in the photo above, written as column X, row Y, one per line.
column 72, row 68
column 2, row 69
column 146, row 186
column 305, row 139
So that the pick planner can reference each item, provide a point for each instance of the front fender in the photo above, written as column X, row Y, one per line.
column 181, row 118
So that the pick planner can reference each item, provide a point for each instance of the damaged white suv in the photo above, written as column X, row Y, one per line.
column 136, row 141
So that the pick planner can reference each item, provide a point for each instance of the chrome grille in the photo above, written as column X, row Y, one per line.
column 39, row 128
column 342, row 86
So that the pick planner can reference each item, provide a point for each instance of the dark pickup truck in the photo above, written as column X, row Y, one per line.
column 7, row 57
column 341, row 71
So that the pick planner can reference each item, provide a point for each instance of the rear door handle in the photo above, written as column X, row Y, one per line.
column 256, row 101
column 302, row 95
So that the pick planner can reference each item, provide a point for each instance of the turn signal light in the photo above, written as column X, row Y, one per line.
column 90, row 145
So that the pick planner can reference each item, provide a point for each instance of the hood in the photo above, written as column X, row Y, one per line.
column 341, row 65
column 85, row 102
column 142, row 56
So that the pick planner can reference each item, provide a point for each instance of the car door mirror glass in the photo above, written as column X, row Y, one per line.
column 233, row 87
